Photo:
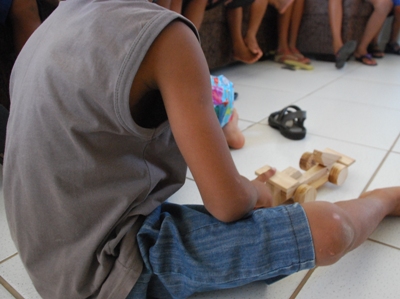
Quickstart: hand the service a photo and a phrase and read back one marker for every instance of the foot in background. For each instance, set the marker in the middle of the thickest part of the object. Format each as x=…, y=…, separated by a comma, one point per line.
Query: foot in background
x=252, y=45
x=300, y=56
x=244, y=54
x=282, y=55
x=366, y=59
x=287, y=54
x=233, y=135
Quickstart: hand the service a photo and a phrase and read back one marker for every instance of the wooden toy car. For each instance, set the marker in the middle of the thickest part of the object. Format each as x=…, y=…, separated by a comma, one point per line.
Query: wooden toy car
x=320, y=167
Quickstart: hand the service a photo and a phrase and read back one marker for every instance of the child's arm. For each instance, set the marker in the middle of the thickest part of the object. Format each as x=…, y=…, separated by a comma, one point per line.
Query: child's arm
x=176, y=65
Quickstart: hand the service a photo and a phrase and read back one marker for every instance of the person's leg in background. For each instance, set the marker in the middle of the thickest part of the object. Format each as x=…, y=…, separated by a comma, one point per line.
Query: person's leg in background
x=342, y=51
x=194, y=11
x=241, y=51
x=297, y=14
x=393, y=46
x=373, y=27
x=335, y=21
x=257, y=12
x=284, y=23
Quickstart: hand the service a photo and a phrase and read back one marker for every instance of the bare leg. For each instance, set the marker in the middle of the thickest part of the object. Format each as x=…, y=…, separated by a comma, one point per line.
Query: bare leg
x=374, y=41
x=257, y=12
x=335, y=21
x=194, y=11
x=25, y=20
x=374, y=24
x=283, y=51
x=297, y=14
x=394, y=34
x=240, y=50
x=343, y=226
x=283, y=29
x=232, y=133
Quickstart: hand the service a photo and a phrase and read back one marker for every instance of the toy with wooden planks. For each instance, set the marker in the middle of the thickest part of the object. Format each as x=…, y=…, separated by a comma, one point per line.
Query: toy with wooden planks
x=320, y=167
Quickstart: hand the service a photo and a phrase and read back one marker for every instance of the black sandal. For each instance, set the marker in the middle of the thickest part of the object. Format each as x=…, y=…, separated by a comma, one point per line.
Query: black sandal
x=290, y=122
x=392, y=48
x=375, y=51
x=344, y=53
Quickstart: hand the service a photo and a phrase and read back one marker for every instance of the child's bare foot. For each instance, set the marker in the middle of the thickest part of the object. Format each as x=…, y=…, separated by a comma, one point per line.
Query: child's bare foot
x=281, y=5
x=252, y=44
x=232, y=133
x=244, y=54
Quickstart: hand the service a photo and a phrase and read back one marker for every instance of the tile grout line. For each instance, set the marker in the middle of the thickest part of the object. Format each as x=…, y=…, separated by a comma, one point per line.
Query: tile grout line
x=8, y=258
x=384, y=244
x=381, y=164
x=321, y=87
x=302, y=283
x=326, y=98
x=351, y=142
x=10, y=289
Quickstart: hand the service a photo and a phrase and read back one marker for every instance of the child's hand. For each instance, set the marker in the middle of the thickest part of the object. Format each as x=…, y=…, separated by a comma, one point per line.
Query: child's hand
x=264, y=193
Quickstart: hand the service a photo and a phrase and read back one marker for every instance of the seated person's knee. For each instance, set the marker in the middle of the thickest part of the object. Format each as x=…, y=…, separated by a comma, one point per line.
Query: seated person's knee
x=336, y=239
x=383, y=6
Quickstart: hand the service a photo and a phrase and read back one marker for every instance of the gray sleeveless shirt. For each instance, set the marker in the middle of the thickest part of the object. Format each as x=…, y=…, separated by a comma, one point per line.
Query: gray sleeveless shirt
x=79, y=173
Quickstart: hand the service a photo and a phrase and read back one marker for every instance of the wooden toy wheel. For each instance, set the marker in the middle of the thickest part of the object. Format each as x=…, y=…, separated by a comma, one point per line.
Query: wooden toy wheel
x=305, y=193
x=307, y=161
x=338, y=174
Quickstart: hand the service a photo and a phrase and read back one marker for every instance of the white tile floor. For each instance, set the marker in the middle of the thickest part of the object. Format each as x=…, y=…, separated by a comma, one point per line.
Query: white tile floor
x=355, y=111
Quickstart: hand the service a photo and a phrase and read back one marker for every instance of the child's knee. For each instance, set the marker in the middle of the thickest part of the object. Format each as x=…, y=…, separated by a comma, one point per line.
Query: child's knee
x=341, y=236
x=333, y=233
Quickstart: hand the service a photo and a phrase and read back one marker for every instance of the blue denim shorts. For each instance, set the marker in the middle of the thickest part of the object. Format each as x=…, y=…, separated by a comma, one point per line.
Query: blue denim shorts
x=396, y=2
x=186, y=250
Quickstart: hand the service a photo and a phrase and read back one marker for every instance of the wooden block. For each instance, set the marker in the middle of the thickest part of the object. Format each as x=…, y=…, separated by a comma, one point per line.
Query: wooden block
x=326, y=159
x=283, y=182
x=313, y=174
x=280, y=180
x=345, y=160
x=263, y=169
x=318, y=183
x=278, y=195
x=292, y=172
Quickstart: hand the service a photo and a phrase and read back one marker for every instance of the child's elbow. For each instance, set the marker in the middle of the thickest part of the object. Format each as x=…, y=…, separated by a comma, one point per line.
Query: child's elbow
x=232, y=211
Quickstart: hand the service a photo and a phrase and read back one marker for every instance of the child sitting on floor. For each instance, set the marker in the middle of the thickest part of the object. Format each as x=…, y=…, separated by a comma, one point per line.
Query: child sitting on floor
x=96, y=145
